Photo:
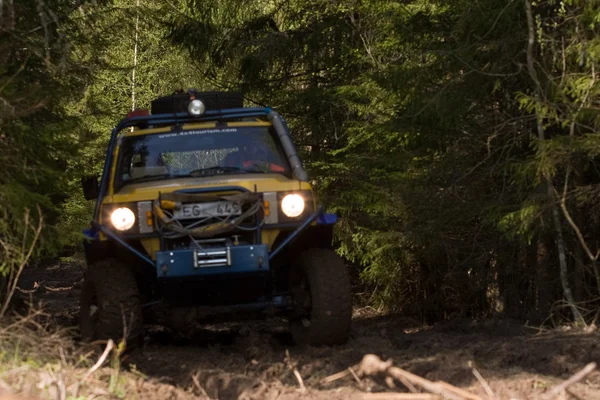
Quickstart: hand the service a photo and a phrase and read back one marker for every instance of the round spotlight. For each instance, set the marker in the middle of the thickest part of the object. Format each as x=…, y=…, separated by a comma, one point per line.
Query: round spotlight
x=196, y=107
x=122, y=218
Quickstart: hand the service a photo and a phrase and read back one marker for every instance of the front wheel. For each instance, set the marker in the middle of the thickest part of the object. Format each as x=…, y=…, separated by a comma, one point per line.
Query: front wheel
x=320, y=289
x=110, y=306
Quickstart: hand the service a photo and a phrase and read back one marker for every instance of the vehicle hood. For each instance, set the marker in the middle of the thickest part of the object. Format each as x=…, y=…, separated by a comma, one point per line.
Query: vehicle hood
x=150, y=190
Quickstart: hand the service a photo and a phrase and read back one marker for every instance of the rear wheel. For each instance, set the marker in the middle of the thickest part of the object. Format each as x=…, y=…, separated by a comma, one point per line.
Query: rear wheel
x=320, y=290
x=110, y=306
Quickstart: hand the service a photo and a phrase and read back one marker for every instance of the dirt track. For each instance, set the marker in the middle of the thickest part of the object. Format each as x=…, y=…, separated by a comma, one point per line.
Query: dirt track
x=225, y=360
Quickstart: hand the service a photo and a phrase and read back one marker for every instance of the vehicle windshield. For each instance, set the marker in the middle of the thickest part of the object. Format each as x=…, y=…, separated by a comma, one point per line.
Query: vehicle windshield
x=199, y=152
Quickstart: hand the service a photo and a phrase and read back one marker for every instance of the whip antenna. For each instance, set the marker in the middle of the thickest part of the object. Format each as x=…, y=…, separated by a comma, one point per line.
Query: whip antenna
x=137, y=21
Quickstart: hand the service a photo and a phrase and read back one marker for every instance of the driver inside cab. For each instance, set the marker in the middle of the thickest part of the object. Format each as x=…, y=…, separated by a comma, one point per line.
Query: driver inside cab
x=252, y=157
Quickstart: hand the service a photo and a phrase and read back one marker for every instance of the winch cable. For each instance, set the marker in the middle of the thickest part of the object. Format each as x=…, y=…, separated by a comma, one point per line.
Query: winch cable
x=178, y=223
x=175, y=235
x=193, y=224
x=196, y=229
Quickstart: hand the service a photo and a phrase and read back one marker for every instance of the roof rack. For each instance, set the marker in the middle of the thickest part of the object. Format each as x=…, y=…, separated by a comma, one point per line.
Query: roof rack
x=179, y=101
x=183, y=117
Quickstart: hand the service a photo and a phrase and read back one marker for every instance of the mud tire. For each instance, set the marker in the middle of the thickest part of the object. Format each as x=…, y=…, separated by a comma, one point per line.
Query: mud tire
x=324, y=276
x=111, y=287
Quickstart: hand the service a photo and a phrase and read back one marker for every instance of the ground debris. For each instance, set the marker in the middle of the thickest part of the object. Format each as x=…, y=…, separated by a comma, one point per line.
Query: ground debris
x=372, y=365
x=258, y=360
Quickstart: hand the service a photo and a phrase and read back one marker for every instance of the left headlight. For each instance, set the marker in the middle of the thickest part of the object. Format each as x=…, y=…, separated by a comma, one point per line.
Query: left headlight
x=292, y=205
x=122, y=218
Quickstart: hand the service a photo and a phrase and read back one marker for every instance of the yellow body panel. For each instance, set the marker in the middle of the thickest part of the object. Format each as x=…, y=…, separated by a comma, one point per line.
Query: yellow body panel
x=145, y=191
x=268, y=237
x=246, y=123
x=150, y=190
x=139, y=132
x=152, y=246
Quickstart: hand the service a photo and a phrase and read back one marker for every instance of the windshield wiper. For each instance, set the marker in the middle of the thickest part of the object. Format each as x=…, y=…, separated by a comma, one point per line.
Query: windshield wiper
x=255, y=170
x=216, y=168
x=150, y=177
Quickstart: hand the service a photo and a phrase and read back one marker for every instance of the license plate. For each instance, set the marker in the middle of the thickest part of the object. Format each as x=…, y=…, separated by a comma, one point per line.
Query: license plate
x=202, y=210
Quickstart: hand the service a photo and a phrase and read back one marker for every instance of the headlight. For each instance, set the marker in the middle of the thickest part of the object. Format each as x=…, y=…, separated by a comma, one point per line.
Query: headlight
x=292, y=205
x=122, y=218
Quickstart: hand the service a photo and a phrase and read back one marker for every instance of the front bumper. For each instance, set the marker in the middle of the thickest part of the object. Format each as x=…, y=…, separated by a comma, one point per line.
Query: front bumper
x=219, y=274
x=214, y=261
x=318, y=217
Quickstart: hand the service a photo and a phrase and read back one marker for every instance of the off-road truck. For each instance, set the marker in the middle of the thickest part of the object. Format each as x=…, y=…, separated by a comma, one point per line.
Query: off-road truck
x=205, y=210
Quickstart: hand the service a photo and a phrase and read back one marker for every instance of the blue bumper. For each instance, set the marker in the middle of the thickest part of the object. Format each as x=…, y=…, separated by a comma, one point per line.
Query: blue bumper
x=215, y=261
x=241, y=259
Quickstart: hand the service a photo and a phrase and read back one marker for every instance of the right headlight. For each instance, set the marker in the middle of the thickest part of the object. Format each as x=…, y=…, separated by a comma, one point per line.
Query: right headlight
x=292, y=205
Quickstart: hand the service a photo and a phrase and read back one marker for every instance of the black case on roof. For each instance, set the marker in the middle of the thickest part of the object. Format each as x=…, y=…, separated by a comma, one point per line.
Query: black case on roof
x=178, y=102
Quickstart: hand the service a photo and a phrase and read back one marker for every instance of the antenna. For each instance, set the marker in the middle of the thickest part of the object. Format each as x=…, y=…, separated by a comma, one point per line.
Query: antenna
x=137, y=21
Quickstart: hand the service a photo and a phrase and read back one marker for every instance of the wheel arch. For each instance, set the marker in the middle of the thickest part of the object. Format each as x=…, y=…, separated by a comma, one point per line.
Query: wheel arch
x=99, y=250
x=318, y=236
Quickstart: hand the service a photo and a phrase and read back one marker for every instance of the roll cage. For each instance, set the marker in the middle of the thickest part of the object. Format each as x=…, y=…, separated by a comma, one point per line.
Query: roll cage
x=224, y=115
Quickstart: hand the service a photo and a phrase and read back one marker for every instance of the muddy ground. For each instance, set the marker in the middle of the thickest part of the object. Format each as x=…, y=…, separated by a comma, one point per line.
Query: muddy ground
x=258, y=358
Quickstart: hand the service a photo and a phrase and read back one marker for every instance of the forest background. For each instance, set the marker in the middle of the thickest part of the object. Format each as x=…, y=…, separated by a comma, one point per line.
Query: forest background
x=456, y=140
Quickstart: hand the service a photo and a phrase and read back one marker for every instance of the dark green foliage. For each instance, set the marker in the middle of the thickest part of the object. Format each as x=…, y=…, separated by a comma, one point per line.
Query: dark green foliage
x=65, y=80
x=36, y=134
x=107, y=96
x=417, y=120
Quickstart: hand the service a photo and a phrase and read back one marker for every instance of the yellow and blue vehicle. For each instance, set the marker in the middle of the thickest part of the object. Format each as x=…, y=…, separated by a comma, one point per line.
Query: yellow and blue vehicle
x=205, y=211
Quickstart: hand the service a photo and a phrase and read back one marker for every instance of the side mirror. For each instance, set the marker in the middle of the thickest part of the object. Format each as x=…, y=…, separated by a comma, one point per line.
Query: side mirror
x=90, y=187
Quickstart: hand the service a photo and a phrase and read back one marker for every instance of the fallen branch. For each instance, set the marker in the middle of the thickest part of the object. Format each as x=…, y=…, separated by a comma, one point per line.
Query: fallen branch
x=555, y=391
x=198, y=385
x=77, y=385
x=292, y=367
x=339, y=375
x=299, y=379
x=109, y=346
x=460, y=392
x=372, y=365
x=356, y=378
x=482, y=381
x=410, y=386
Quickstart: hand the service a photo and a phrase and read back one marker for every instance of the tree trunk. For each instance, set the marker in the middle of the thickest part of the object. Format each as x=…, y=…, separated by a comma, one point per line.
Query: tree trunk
x=560, y=244
x=544, y=281
x=562, y=259
x=579, y=262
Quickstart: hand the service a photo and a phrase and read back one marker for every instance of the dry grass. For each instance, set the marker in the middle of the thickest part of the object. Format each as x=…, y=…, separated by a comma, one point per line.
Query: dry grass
x=14, y=256
x=40, y=361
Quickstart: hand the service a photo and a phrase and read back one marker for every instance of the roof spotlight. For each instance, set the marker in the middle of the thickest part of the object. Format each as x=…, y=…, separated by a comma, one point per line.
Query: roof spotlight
x=196, y=107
